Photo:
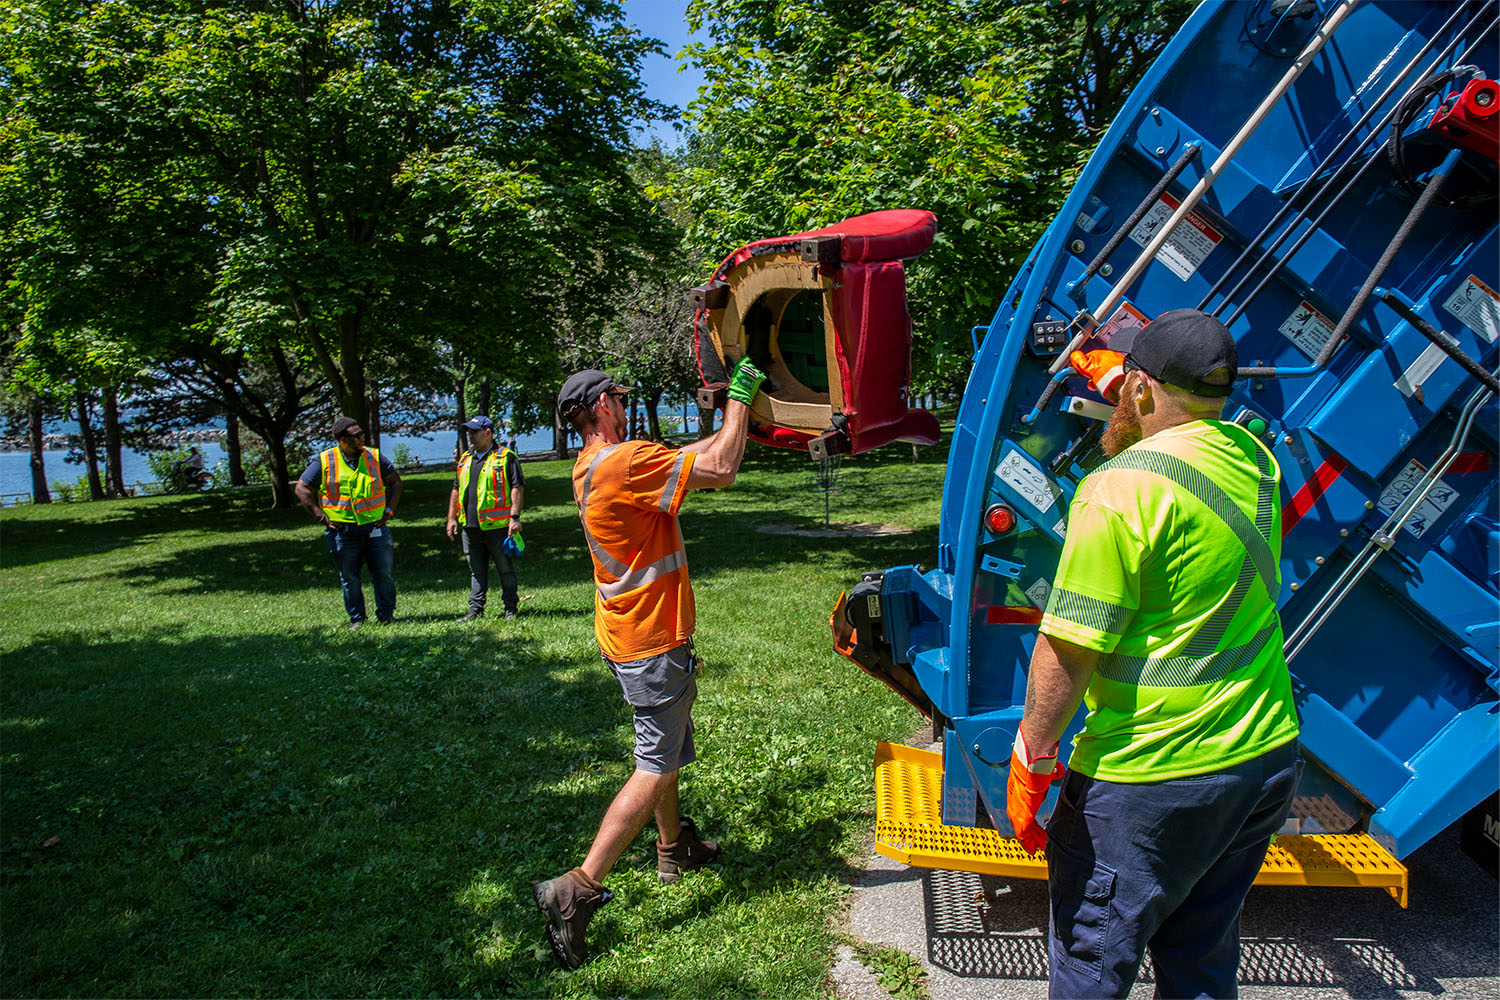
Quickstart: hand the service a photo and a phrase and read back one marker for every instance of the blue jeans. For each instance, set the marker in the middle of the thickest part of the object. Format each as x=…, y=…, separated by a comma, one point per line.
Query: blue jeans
x=1164, y=867
x=352, y=546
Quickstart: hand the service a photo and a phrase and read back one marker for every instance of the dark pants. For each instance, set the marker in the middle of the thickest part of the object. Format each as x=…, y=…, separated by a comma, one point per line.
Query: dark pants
x=1164, y=867
x=480, y=548
x=352, y=546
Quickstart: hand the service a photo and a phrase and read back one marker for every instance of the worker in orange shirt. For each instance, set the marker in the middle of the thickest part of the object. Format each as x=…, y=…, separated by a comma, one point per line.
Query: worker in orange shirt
x=628, y=495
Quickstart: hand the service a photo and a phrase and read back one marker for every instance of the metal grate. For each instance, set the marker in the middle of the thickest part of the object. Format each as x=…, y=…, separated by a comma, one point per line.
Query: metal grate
x=909, y=829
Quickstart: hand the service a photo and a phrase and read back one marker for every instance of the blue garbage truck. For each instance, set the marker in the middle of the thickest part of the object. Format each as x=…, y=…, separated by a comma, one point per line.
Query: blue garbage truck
x=1321, y=176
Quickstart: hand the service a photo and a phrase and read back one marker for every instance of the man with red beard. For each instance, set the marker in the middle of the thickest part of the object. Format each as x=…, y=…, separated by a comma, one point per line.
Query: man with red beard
x=1163, y=619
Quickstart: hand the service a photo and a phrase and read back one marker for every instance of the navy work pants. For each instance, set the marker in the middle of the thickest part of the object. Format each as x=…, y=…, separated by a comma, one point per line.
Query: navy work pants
x=1164, y=867
x=480, y=549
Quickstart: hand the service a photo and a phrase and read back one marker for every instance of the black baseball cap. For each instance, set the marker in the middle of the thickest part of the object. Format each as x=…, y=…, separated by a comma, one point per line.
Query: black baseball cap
x=582, y=388
x=480, y=423
x=1181, y=347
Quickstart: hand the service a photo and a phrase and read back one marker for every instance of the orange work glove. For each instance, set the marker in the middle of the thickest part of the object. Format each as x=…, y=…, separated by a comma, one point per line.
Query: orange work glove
x=1030, y=777
x=1105, y=371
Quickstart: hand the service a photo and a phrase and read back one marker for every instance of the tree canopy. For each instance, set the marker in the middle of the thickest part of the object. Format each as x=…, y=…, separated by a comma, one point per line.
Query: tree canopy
x=978, y=110
x=350, y=185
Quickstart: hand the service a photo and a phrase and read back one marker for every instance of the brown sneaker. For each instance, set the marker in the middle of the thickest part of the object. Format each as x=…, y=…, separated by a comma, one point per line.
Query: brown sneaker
x=687, y=853
x=568, y=902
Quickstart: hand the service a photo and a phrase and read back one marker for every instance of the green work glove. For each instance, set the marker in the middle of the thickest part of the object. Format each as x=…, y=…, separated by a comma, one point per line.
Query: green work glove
x=745, y=382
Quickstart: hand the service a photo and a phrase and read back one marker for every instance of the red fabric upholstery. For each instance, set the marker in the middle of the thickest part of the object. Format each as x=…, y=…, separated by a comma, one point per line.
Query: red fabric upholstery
x=873, y=334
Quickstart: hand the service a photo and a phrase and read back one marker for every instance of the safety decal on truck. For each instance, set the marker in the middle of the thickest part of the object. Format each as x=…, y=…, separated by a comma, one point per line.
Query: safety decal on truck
x=1188, y=246
x=1039, y=592
x=1438, y=499
x=1125, y=317
x=1033, y=485
x=1477, y=307
x=1308, y=329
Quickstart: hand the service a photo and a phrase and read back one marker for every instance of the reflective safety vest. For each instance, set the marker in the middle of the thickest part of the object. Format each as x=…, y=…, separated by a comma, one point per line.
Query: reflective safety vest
x=492, y=504
x=352, y=495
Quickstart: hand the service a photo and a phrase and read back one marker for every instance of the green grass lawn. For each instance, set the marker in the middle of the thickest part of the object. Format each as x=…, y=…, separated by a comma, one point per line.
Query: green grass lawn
x=209, y=786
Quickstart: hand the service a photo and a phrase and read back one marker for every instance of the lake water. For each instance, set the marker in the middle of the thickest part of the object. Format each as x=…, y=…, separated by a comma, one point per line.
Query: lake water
x=433, y=449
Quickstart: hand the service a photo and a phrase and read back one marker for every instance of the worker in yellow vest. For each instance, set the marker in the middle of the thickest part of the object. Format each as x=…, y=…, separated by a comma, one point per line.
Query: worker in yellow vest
x=352, y=491
x=484, y=510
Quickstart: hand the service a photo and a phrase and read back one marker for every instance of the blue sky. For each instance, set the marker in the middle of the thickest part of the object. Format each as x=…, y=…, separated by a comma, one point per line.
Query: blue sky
x=664, y=19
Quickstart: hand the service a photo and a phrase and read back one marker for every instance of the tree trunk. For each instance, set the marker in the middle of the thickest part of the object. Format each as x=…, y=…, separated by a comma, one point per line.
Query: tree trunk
x=634, y=414
x=39, y=491
x=281, y=476
x=232, y=447
x=463, y=437
x=653, y=423
x=372, y=421
x=90, y=447
x=560, y=436
x=113, y=464
x=353, y=392
x=486, y=396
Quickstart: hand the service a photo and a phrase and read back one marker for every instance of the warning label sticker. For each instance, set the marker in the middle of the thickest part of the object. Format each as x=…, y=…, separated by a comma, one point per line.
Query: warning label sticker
x=1039, y=592
x=1125, y=317
x=1438, y=499
x=1188, y=246
x=1308, y=329
x=1477, y=307
x=1028, y=480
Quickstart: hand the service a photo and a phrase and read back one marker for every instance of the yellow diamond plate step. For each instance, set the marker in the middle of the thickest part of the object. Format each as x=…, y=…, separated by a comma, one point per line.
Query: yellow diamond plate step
x=909, y=829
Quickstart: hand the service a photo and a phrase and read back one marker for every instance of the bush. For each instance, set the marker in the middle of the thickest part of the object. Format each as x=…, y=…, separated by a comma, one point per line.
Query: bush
x=67, y=492
x=401, y=455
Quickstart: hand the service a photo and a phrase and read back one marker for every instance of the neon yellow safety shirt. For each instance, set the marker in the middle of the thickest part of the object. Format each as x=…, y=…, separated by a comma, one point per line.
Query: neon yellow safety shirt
x=1171, y=569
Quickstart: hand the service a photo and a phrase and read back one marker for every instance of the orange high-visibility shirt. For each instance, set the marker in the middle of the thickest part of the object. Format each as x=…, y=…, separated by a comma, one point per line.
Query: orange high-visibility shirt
x=628, y=496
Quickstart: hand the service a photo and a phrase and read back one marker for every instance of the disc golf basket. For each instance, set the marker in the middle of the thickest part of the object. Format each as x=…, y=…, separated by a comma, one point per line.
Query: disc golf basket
x=826, y=480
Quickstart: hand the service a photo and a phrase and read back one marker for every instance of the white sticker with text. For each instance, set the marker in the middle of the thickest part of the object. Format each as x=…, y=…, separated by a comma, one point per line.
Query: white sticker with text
x=1308, y=329
x=1028, y=480
x=1188, y=246
x=1477, y=307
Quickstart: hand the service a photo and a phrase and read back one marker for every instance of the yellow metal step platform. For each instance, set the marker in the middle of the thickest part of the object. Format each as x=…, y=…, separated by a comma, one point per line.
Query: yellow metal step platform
x=909, y=829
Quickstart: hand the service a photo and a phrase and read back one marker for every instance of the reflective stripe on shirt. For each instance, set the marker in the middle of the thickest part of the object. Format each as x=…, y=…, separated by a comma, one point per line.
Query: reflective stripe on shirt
x=628, y=579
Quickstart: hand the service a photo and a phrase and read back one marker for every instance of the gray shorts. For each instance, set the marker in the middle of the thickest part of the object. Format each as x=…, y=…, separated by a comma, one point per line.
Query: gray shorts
x=661, y=689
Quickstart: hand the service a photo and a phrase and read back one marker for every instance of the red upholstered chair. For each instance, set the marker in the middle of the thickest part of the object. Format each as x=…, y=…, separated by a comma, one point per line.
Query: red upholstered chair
x=842, y=288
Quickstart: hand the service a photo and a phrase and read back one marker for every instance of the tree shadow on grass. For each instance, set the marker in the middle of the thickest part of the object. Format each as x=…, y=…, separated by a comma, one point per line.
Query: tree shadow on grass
x=252, y=800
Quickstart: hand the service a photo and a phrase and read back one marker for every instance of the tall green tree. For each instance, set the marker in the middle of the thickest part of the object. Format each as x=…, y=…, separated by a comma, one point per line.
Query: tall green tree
x=354, y=182
x=978, y=110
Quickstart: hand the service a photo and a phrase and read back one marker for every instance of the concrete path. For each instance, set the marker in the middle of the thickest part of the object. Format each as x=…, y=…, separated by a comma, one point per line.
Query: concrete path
x=983, y=937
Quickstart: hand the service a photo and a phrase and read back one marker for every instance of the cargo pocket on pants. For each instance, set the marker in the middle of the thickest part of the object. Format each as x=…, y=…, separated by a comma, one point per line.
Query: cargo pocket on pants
x=1083, y=892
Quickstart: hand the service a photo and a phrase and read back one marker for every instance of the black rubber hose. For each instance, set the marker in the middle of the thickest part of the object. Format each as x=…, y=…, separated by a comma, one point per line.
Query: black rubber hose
x=1444, y=342
x=1189, y=154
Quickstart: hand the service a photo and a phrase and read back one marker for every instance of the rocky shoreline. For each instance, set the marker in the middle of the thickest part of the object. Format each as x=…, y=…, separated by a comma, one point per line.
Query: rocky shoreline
x=59, y=442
